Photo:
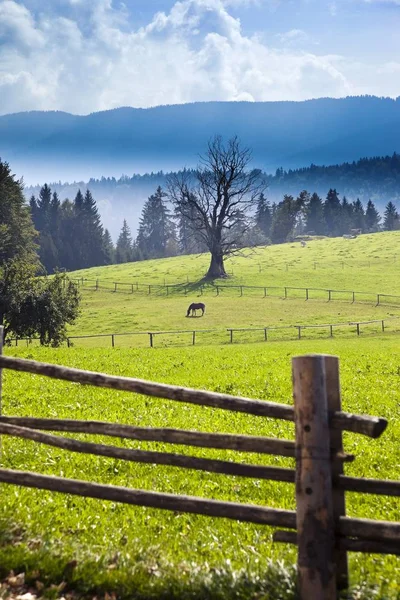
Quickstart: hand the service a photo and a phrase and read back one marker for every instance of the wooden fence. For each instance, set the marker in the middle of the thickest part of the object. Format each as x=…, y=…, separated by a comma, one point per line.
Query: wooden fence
x=284, y=292
x=319, y=526
x=192, y=336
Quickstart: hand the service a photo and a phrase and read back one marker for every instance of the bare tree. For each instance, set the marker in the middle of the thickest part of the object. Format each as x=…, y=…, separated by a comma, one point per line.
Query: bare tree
x=216, y=201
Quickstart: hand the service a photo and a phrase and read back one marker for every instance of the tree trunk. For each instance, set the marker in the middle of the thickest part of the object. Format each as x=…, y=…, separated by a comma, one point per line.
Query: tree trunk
x=216, y=269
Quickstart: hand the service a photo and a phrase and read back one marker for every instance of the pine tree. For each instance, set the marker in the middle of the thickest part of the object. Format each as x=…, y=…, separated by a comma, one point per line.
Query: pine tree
x=346, y=216
x=263, y=218
x=124, y=247
x=156, y=227
x=284, y=220
x=17, y=233
x=358, y=220
x=391, y=218
x=108, y=248
x=372, y=217
x=94, y=235
x=314, y=215
x=332, y=213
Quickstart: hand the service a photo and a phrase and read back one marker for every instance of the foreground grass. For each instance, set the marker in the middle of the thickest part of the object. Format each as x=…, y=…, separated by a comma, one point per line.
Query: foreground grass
x=144, y=553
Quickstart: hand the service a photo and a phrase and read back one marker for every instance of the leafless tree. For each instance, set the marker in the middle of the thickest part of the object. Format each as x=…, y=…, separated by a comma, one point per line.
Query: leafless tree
x=217, y=200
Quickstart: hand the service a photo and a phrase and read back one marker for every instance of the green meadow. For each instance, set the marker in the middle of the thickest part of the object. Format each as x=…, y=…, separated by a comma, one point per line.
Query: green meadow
x=97, y=547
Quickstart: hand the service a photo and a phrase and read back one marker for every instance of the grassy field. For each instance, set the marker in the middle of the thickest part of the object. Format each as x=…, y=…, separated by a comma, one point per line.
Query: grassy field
x=144, y=553
x=370, y=266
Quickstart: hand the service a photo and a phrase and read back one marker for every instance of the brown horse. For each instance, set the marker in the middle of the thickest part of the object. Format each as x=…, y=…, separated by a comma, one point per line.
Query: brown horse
x=196, y=306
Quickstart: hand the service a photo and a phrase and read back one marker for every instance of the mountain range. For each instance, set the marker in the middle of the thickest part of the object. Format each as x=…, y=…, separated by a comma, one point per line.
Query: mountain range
x=57, y=146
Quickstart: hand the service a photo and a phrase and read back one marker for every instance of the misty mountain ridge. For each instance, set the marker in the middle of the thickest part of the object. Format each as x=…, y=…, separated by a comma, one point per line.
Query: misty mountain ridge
x=53, y=146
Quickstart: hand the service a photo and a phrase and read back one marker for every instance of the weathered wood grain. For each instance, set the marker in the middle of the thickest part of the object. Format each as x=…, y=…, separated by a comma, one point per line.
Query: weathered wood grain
x=151, y=457
x=314, y=513
x=190, y=504
x=243, y=443
x=370, y=426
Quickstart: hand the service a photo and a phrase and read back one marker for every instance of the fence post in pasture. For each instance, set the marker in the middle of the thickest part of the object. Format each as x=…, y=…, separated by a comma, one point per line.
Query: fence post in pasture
x=82, y=281
x=151, y=339
x=137, y=286
x=16, y=341
x=167, y=290
x=194, y=338
x=299, y=328
x=149, y=289
x=112, y=340
x=241, y=290
x=68, y=343
x=231, y=332
x=383, y=325
x=378, y=299
x=354, y=297
x=285, y=293
x=306, y=293
x=265, y=292
x=115, y=286
x=329, y=295
x=132, y=288
x=266, y=334
x=358, y=328
x=331, y=328
x=315, y=516
x=336, y=442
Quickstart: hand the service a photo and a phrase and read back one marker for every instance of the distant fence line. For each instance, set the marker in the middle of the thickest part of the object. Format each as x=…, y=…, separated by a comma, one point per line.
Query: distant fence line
x=284, y=292
x=194, y=334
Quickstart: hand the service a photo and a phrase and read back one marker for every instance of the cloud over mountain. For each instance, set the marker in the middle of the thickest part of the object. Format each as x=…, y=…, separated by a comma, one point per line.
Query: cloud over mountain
x=85, y=57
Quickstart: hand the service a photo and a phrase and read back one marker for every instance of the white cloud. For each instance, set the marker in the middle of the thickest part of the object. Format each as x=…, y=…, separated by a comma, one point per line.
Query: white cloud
x=196, y=51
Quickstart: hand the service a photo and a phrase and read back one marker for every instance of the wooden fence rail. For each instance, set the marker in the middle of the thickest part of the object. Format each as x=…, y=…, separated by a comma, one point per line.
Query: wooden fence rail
x=285, y=292
x=319, y=527
x=195, y=334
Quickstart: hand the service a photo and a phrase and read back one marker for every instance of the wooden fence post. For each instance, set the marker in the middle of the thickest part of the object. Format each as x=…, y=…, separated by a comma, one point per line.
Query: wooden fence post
x=151, y=339
x=194, y=338
x=315, y=517
x=112, y=340
x=336, y=442
x=383, y=325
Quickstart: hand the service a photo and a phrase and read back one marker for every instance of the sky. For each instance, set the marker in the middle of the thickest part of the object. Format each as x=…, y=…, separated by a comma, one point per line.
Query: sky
x=83, y=56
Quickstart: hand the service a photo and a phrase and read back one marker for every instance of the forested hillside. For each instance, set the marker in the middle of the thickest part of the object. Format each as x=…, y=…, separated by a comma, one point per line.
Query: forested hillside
x=376, y=179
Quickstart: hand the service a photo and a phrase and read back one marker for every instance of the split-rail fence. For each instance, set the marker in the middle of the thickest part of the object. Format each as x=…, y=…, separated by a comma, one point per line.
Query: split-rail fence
x=319, y=525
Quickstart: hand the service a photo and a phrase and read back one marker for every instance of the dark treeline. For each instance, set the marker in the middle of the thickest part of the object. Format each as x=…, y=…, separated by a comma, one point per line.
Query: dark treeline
x=377, y=179
x=71, y=235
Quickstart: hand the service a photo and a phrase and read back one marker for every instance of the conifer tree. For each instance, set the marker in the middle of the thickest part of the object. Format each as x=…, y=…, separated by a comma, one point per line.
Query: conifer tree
x=372, y=217
x=263, y=218
x=284, y=220
x=332, y=213
x=358, y=220
x=391, y=218
x=346, y=216
x=124, y=247
x=314, y=215
x=156, y=227
x=108, y=248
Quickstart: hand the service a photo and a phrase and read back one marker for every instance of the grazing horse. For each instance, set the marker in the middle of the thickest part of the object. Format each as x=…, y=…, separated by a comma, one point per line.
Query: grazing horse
x=196, y=306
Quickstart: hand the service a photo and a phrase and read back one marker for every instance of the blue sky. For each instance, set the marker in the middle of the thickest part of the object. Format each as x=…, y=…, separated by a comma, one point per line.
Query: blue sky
x=83, y=56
